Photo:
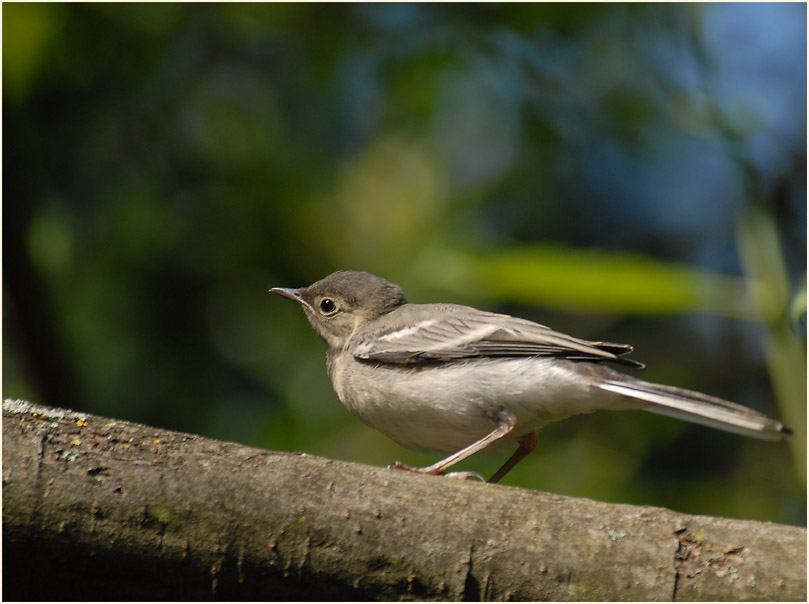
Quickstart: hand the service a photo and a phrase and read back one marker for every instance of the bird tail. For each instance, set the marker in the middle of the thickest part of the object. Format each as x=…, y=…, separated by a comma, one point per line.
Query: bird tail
x=699, y=408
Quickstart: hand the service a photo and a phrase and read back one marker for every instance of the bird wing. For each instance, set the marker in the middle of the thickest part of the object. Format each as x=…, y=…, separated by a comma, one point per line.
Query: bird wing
x=446, y=332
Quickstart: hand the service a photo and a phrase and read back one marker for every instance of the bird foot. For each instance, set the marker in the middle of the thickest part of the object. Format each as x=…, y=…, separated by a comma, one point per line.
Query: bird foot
x=464, y=475
x=398, y=465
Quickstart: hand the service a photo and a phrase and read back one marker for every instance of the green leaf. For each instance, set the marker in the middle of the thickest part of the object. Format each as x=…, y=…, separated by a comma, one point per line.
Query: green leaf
x=597, y=282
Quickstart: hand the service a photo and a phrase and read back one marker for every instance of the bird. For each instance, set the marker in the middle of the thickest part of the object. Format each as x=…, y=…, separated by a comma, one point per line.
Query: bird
x=454, y=379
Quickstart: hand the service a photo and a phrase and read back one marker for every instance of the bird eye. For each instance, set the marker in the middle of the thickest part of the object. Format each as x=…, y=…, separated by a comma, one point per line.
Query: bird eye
x=327, y=306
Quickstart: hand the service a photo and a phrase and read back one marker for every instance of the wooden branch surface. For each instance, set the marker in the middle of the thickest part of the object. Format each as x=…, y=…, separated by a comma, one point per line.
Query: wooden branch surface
x=102, y=509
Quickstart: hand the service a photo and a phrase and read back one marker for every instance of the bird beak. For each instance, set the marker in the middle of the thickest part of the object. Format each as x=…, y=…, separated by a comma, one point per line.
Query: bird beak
x=292, y=294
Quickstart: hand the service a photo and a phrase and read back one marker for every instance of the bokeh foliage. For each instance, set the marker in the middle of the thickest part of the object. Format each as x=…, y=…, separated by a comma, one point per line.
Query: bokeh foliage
x=633, y=173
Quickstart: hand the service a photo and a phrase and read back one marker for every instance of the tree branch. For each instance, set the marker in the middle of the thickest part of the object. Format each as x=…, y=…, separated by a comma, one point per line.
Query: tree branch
x=101, y=509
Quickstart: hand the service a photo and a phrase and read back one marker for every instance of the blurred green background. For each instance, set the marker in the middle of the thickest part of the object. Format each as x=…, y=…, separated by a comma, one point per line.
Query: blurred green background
x=630, y=173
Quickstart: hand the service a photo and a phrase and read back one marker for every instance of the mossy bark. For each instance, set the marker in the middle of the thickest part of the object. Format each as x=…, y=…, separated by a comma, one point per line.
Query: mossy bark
x=103, y=509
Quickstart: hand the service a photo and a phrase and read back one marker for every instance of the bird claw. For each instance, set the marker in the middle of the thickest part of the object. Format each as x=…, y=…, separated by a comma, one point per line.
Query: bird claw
x=464, y=475
x=398, y=465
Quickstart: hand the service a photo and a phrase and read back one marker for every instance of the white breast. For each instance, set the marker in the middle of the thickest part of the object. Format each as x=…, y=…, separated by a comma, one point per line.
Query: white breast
x=446, y=406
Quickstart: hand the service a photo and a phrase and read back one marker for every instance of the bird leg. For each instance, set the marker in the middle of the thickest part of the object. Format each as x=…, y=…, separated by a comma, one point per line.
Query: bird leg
x=506, y=422
x=527, y=444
